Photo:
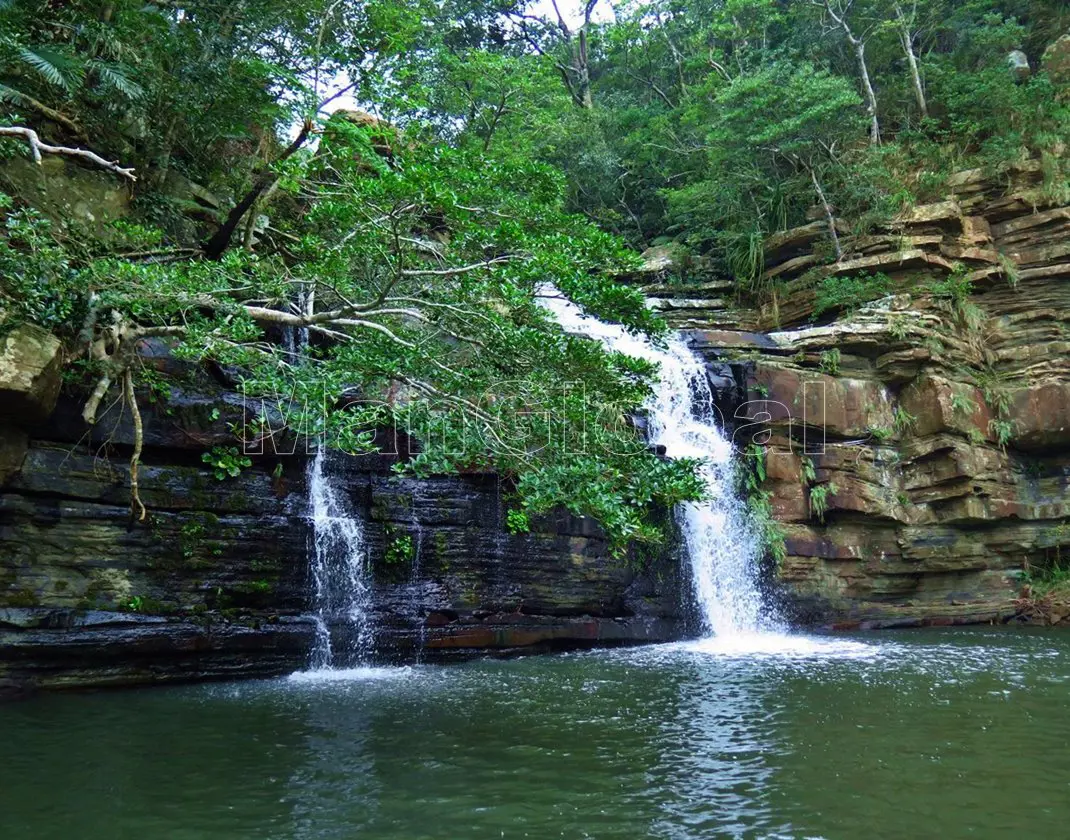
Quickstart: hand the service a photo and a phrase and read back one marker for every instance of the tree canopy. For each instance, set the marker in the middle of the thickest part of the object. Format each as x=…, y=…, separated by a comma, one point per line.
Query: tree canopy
x=499, y=151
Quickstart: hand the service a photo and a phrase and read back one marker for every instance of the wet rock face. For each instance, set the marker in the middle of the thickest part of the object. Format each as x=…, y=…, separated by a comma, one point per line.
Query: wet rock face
x=943, y=424
x=215, y=583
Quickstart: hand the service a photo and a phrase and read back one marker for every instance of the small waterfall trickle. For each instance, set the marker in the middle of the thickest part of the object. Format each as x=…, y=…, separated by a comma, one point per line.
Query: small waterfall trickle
x=722, y=548
x=415, y=590
x=340, y=574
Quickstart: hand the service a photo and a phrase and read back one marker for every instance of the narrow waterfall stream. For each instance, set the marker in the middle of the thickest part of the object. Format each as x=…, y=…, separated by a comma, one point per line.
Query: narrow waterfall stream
x=720, y=544
x=340, y=574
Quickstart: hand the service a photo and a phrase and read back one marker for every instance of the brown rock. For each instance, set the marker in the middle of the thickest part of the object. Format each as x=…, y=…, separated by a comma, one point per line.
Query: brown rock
x=843, y=408
x=944, y=213
x=930, y=523
x=932, y=401
x=1041, y=416
x=783, y=466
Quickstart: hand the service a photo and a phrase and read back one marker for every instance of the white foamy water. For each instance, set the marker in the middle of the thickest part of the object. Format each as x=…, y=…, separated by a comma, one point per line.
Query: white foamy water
x=341, y=675
x=340, y=575
x=722, y=547
x=780, y=645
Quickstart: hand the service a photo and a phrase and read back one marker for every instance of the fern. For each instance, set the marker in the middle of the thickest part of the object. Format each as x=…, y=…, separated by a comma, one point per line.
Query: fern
x=111, y=76
x=10, y=95
x=880, y=433
x=54, y=67
x=1009, y=268
x=1002, y=431
x=963, y=404
x=903, y=420
x=819, y=499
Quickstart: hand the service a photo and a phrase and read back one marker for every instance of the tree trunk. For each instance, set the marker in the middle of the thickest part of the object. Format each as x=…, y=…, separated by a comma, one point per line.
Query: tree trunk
x=828, y=213
x=163, y=156
x=912, y=61
x=583, y=74
x=220, y=240
x=859, y=46
x=867, y=86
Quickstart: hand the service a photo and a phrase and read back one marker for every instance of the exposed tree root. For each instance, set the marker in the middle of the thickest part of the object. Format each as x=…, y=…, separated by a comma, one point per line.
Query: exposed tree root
x=136, y=507
x=92, y=405
x=114, y=348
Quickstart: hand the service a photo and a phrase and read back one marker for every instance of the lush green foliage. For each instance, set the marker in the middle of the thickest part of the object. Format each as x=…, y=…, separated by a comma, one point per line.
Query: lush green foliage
x=226, y=461
x=708, y=120
x=417, y=276
x=768, y=141
x=842, y=294
x=722, y=120
x=829, y=362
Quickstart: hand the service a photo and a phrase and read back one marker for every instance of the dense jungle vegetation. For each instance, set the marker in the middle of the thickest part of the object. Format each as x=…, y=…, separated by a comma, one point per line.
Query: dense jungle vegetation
x=498, y=147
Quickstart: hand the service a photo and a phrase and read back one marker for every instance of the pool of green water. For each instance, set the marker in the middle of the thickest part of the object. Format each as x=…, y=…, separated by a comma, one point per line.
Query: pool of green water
x=956, y=733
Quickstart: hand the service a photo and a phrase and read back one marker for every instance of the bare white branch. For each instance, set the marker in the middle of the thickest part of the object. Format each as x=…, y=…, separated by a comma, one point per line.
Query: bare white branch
x=39, y=147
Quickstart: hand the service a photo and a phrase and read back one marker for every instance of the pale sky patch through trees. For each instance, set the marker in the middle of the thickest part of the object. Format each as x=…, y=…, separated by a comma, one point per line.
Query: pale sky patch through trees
x=572, y=10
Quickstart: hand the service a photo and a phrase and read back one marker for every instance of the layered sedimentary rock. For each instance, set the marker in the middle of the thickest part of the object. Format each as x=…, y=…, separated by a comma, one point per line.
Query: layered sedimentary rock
x=215, y=582
x=933, y=425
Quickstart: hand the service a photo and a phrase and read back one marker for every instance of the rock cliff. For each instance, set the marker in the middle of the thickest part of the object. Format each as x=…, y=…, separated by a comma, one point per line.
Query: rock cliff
x=916, y=439
x=215, y=583
x=917, y=430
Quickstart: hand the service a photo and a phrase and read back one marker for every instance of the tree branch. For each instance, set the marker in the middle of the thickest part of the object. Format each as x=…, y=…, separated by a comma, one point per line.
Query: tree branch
x=449, y=272
x=37, y=147
x=220, y=240
x=49, y=113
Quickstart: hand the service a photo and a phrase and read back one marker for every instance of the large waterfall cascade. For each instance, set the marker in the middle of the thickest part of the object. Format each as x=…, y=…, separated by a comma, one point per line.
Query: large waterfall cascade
x=722, y=548
x=340, y=574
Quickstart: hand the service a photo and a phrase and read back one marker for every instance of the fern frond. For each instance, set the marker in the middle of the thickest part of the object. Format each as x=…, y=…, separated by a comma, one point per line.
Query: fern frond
x=9, y=94
x=55, y=68
x=112, y=76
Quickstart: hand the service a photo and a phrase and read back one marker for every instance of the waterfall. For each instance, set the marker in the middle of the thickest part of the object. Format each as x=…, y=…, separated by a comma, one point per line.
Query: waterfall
x=722, y=548
x=340, y=574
